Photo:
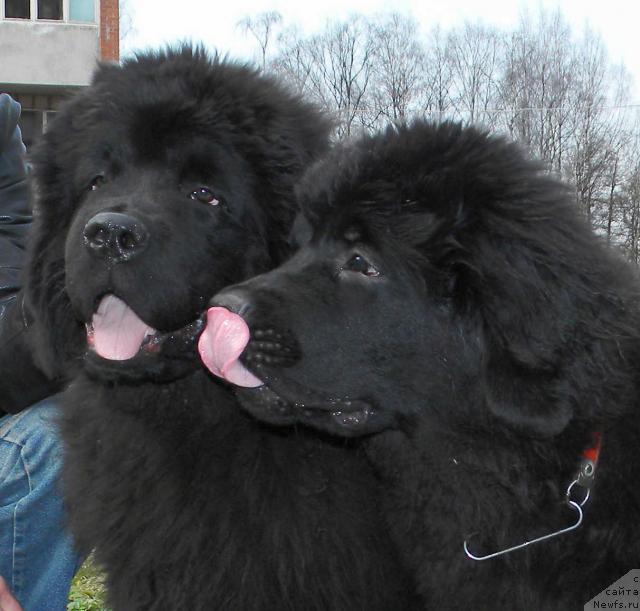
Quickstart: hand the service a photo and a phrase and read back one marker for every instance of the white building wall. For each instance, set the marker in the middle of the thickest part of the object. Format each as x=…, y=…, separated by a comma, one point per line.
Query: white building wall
x=47, y=53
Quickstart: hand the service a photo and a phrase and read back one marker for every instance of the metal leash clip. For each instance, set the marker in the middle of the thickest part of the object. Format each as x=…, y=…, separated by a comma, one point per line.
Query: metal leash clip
x=584, y=479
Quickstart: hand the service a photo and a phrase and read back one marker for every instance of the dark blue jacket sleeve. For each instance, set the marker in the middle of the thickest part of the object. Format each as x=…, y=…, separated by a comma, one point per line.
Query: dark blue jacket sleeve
x=21, y=382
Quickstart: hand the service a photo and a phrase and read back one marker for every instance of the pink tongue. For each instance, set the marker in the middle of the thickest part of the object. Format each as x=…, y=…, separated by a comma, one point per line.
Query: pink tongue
x=118, y=333
x=220, y=345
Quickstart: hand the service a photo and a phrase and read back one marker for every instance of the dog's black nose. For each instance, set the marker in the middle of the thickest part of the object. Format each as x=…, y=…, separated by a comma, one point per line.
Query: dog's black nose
x=235, y=299
x=114, y=236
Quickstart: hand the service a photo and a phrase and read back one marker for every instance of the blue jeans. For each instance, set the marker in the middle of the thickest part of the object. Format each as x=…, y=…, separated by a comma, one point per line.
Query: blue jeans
x=37, y=557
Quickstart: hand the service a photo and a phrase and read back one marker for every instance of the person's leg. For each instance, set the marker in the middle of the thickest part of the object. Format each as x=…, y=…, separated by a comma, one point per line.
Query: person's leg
x=37, y=557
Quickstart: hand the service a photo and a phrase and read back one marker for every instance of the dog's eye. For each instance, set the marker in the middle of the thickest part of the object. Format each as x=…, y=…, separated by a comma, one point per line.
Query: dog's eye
x=97, y=182
x=359, y=264
x=205, y=195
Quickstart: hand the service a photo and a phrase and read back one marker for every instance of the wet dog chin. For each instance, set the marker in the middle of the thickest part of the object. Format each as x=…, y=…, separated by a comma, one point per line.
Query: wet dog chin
x=344, y=417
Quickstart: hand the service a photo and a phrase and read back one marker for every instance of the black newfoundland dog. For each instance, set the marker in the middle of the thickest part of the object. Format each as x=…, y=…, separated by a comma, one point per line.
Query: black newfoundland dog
x=168, y=179
x=450, y=310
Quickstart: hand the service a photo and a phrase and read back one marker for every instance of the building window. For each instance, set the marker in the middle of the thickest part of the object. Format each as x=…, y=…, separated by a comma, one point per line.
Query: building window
x=50, y=9
x=18, y=9
x=82, y=10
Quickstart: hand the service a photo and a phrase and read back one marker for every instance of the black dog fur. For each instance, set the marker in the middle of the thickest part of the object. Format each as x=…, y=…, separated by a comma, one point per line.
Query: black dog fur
x=188, y=502
x=452, y=311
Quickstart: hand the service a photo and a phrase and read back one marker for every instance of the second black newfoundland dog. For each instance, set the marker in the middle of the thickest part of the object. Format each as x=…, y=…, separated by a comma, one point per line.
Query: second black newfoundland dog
x=451, y=311
x=166, y=180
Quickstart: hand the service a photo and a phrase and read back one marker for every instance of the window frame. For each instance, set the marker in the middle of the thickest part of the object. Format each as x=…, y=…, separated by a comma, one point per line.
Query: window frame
x=37, y=17
x=3, y=11
x=66, y=9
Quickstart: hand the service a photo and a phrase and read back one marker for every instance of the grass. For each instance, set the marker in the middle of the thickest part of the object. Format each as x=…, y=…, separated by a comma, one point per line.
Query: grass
x=87, y=590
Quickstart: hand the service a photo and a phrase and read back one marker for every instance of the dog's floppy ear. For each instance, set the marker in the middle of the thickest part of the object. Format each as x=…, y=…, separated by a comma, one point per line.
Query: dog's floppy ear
x=528, y=322
x=553, y=307
x=556, y=325
x=527, y=399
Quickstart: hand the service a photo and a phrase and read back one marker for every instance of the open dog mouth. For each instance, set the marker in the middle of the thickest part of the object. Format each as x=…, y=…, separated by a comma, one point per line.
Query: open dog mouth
x=267, y=396
x=116, y=333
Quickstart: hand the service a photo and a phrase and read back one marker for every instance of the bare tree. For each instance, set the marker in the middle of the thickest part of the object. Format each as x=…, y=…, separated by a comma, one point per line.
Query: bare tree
x=398, y=66
x=126, y=29
x=596, y=131
x=630, y=210
x=436, y=95
x=475, y=51
x=536, y=85
x=343, y=60
x=261, y=27
x=556, y=93
x=621, y=142
x=335, y=69
x=294, y=62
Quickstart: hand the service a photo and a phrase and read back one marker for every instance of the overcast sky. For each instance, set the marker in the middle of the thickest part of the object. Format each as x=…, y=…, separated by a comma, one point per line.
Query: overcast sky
x=213, y=22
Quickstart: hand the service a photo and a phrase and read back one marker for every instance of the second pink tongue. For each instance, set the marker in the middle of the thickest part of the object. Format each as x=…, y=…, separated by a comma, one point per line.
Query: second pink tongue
x=221, y=344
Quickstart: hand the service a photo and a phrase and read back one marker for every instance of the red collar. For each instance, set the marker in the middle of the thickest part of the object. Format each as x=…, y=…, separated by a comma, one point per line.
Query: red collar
x=589, y=461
